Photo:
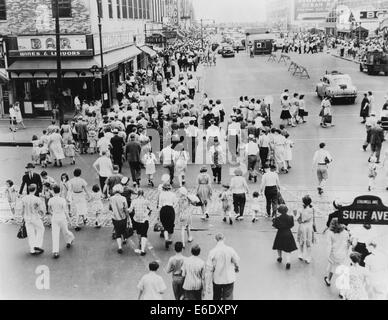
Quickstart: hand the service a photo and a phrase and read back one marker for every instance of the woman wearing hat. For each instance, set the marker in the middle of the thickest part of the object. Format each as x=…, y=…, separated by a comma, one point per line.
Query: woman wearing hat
x=76, y=194
x=55, y=147
x=284, y=240
x=204, y=190
x=166, y=202
x=239, y=189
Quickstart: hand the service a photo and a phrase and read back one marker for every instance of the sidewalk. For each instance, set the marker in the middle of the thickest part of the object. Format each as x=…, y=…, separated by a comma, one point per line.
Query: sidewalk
x=21, y=136
x=335, y=54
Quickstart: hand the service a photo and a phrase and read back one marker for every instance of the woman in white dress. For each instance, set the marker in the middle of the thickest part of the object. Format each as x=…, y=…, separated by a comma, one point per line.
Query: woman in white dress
x=18, y=115
x=306, y=220
x=279, y=142
x=77, y=196
x=55, y=147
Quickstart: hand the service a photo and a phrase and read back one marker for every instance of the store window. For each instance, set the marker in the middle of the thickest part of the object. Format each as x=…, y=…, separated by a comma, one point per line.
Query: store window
x=110, y=9
x=124, y=9
x=135, y=9
x=99, y=8
x=130, y=9
x=64, y=7
x=118, y=9
x=3, y=10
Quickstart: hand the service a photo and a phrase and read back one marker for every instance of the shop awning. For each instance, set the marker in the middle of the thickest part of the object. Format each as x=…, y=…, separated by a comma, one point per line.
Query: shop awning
x=148, y=51
x=3, y=76
x=113, y=58
x=38, y=66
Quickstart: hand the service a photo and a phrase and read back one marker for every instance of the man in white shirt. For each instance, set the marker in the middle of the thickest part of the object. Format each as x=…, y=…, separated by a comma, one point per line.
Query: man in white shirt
x=252, y=151
x=151, y=285
x=223, y=264
x=211, y=133
x=191, y=85
x=58, y=207
x=270, y=187
x=192, y=137
x=32, y=210
x=321, y=161
x=166, y=159
x=104, y=167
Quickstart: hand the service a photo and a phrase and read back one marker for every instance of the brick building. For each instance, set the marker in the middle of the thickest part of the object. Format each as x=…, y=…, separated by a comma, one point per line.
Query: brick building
x=29, y=27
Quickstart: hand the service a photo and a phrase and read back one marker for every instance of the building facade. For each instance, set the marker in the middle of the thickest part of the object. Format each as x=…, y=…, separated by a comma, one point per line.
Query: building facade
x=29, y=27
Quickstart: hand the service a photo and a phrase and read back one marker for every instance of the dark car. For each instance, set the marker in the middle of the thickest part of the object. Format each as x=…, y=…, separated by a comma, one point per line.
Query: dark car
x=227, y=52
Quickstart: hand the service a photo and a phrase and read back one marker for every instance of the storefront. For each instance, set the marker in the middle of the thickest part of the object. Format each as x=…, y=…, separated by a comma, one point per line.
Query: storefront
x=33, y=72
x=145, y=57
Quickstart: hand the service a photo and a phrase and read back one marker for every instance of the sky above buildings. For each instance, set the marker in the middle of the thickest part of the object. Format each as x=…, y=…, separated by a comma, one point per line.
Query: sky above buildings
x=230, y=10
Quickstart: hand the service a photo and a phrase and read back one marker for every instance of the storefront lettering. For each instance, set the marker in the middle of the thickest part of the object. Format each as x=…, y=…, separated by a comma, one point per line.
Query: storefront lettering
x=50, y=53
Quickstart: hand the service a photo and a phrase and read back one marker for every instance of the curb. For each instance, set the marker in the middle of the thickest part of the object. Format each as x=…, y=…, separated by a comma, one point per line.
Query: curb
x=343, y=58
x=15, y=144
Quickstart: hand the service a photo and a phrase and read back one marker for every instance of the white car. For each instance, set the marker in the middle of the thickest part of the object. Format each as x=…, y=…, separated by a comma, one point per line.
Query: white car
x=336, y=85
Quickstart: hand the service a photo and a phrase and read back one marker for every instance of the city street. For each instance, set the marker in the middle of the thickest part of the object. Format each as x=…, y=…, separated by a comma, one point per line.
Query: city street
x=92, y=268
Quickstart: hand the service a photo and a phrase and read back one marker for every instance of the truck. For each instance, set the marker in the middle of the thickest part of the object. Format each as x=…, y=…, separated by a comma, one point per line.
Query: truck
x=374, y=62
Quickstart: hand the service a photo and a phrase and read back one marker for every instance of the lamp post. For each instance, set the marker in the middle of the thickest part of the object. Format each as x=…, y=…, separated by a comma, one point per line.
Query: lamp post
x=59, y=95
x=101, y=54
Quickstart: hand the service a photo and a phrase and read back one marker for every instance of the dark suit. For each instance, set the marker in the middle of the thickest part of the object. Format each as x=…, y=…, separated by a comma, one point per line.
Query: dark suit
x=27, y=180
x=118, y=144
x=132, y=153
x=376, y=140
x=82, y=133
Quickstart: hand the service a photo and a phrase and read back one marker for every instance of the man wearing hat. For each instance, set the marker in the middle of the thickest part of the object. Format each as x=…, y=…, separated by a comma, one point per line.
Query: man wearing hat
x=132, y=154
x=217, y=160
x=117, y=150
x=30, y=178
x=82, y=134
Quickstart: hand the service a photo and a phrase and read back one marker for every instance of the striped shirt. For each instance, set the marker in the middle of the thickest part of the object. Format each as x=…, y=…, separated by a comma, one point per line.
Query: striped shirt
x=193, y=270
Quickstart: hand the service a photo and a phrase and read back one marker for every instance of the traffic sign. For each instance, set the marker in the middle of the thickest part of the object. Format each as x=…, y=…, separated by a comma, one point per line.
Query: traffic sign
x=364, y=210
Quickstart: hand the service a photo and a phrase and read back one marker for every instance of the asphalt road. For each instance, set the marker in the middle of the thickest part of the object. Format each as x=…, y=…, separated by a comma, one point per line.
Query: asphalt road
x=92, y=269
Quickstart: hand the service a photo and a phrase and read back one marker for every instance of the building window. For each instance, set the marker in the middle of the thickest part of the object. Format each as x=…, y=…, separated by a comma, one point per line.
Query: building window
x=147, y=10
x=64, y=7
x=110, y=9
x=135, y=8
x=118, y=9
x=99, y=8
x=124, y=9
x=130, y=9
x=140, y=9
x=3, y=10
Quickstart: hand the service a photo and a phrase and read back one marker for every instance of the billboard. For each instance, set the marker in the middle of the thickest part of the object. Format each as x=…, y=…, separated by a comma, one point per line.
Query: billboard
x=312, y=9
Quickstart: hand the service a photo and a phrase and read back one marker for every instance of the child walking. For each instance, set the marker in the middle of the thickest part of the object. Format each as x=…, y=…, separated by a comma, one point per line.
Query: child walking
x=255, y=207
x=11, y=194
x=185, y=215
x=227, y=203
x=372, y=172
x=35, y=150
x=43, y=154
x=96, y=205
x=149, y=162
x=70, y=151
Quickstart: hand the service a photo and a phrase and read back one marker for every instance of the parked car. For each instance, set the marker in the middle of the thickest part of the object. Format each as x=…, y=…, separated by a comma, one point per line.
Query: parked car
x=227, y=52
x=337, y=85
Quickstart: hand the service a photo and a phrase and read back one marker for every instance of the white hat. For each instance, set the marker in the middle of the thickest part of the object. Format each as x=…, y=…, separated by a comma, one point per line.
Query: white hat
x=183, y=191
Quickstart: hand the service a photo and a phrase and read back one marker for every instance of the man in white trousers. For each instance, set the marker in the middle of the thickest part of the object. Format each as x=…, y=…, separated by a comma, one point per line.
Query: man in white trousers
x=32, y=210
x=321, y=161
x=58, y=207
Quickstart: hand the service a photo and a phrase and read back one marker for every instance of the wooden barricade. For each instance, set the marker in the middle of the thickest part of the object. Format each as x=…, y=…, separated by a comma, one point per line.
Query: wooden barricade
x=284, y=58
x=272, y=57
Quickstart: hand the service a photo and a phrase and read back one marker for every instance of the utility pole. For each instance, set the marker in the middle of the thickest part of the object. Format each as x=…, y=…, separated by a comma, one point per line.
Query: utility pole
x=202, y=33
x=59, y=99
x=101, y=55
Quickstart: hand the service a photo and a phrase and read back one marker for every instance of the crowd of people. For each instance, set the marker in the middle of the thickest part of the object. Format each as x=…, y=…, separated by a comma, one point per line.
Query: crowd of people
x=173, y=121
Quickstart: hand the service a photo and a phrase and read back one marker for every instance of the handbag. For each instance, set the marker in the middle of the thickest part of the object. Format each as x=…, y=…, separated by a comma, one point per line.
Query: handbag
x=314, y=225
x=22, y=233
x=158, y=227
x=327, y=118
x=305, y=113
x=280, y=199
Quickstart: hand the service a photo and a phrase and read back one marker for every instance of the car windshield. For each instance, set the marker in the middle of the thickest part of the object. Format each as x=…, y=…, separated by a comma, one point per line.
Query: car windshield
x=342, y=80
